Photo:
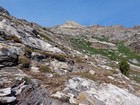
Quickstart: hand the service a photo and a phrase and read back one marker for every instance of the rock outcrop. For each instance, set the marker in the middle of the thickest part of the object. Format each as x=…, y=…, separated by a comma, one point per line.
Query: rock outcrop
x=9, y=53
x=3, y=11
x=87, y=92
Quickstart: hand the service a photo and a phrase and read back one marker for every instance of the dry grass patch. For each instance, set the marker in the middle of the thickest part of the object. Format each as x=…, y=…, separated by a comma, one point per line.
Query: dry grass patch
x=114, y=71
x=52, y=84
x=12, y=38
x=87, y=75
x=45, y=68
x=24, y=61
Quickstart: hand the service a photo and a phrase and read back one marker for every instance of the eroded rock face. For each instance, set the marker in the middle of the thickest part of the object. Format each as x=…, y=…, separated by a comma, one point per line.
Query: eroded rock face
x=40, y=44
x=11, y=85
x=9, y=53
x=40, y=96
x=25, y=34
x=88, y=92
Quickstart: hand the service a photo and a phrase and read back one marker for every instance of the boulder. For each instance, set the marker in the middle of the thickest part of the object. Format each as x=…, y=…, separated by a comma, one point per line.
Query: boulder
x=9, y=54
x=59, y=65
x=37, y=56
x=40, y=44
x=6, y=100
x=60, y=95
x=65, y=97
x=60, y=68
x=34, y=69
x=92, y=72
x=5, y=92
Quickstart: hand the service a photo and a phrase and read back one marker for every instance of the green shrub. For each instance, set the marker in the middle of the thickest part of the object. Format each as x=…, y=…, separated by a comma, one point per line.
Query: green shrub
x=1, y=33
x=24, y=61
x=124, y=67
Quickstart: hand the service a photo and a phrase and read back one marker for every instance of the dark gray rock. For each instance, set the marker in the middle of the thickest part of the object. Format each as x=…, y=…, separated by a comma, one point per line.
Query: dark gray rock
x=9, y=55
x=39, y=96
x=2, y=10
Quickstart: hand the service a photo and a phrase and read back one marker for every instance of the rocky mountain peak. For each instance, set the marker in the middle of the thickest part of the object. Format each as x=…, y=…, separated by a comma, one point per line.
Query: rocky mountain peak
x=4, y=11
x=71, y=24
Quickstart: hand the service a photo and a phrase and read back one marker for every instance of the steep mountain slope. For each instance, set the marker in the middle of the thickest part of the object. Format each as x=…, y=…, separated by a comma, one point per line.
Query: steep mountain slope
x=69, y=64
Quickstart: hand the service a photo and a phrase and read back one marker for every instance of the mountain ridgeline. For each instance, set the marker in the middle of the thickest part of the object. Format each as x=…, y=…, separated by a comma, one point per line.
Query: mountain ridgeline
x=68, y=64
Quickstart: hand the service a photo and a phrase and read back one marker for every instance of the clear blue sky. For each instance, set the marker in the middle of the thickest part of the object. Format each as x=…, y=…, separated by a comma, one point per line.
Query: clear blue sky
x=85, y=12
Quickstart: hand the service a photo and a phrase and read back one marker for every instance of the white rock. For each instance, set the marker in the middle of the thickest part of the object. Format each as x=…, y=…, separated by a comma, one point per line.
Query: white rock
x=60, y=95
x=40, y=44
x=5, y=92
x=49, y=75
x=107, y=93
x=106, y=67
x=59, y=65
x=72, y=100
x=81, y=104
x=92, y=72
x=19, y=88
x=134, y=61
x=7, y=99
x=34, y=69
x=110, y=77
x=8, y=28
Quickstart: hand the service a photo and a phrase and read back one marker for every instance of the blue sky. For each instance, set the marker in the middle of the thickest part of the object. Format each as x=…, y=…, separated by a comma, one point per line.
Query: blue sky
x=85, y=12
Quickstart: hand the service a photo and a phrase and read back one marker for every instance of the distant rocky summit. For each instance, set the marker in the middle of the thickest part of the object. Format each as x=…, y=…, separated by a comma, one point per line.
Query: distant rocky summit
x=71, y=24
x=68, y=64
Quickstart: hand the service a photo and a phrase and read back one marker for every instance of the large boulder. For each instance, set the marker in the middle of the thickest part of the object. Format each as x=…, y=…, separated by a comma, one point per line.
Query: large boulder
x=9, y=54
x=6, y=100
x=40, y=44
x=5, y=92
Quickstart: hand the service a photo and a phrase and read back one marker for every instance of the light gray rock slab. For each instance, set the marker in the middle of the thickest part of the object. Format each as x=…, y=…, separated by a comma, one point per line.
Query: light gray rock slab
x=5, y=92
x=6, y=100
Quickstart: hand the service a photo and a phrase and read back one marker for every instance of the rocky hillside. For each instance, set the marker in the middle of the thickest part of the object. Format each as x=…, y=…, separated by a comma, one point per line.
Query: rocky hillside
x=69, y=64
